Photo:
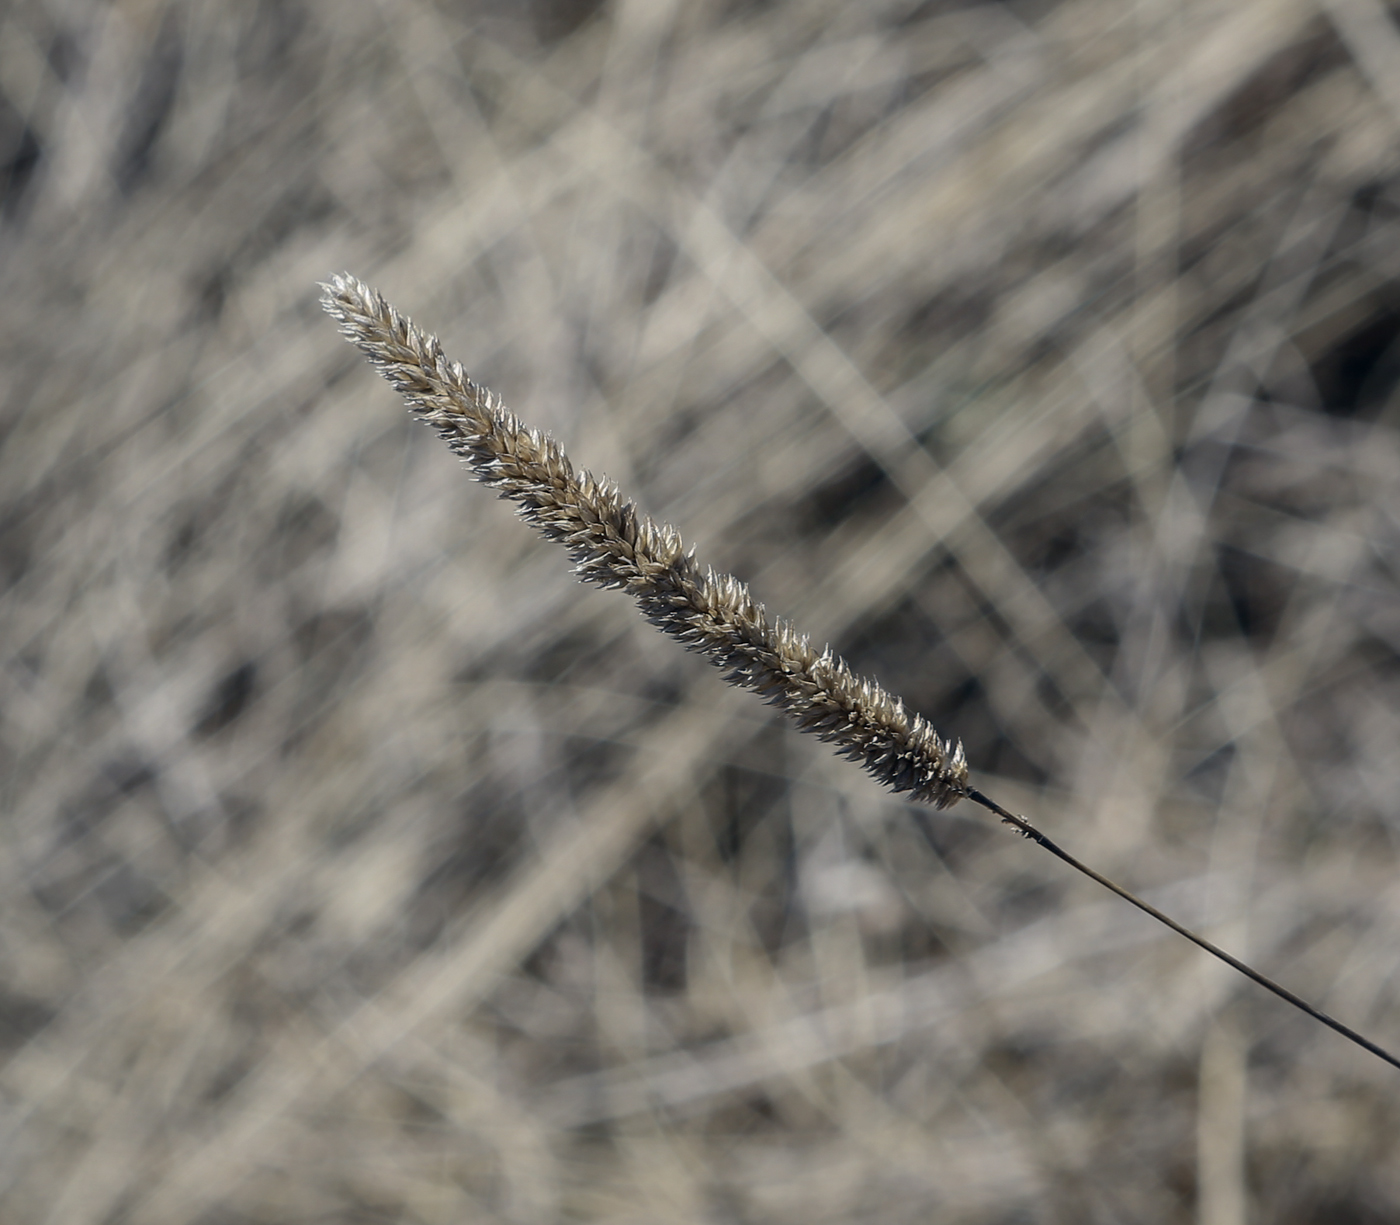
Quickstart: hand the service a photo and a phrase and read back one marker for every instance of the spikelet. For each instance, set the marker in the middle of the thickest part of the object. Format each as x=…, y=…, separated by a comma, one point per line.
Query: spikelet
x=613, y=544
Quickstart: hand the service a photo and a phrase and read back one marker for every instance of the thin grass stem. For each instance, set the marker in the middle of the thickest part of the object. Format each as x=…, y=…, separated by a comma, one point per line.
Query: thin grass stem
x=1029, y=831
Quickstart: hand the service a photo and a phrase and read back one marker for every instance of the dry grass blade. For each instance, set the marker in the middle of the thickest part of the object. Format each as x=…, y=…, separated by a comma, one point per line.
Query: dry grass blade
x=613, y=544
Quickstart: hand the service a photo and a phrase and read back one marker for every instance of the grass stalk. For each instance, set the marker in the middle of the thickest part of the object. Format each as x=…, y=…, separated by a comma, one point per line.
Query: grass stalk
x=613, y=544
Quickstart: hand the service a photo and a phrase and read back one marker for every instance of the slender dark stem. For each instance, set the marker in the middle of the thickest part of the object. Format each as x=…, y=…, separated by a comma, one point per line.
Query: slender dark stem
x=1029, y=831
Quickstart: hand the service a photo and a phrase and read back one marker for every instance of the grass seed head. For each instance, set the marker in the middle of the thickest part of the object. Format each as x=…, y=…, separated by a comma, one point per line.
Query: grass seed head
x=613, y=544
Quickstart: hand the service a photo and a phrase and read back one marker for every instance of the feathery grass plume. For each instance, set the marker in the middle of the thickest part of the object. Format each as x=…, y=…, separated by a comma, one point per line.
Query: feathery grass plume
x=615, y=545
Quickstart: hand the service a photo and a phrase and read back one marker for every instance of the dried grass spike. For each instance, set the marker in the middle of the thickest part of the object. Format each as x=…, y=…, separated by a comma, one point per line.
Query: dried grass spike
x=613, y=544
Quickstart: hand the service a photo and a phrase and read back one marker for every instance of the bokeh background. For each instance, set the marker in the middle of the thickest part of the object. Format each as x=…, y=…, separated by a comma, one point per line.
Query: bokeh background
x=360, y=866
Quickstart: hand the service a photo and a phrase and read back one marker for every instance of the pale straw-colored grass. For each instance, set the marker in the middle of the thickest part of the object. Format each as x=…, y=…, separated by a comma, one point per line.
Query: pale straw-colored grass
x=360, y=864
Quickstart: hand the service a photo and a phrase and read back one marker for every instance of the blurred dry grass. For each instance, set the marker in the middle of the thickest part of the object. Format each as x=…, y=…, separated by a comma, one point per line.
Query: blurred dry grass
x=360, y=866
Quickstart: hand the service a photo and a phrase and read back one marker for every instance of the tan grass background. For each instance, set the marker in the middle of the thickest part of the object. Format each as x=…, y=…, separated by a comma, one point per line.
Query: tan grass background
x=360, y=866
